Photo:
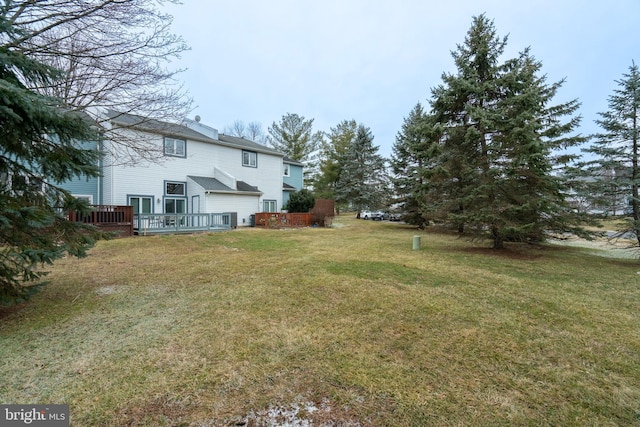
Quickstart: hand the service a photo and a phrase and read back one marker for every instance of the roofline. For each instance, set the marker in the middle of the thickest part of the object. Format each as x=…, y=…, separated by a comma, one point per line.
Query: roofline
x=245, y=193
x=198, y=137
x=255, y=149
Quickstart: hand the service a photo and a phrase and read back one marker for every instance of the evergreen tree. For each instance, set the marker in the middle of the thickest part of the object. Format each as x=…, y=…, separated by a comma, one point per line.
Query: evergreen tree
x=363, y=182
x=462, y=104
x=332, y=158
x=294, y=137
x=496, y=156
x=39, y=148
x=301, y=201
x=531, y=197
x=617, y=150
x=410, y=165
x=115, y=55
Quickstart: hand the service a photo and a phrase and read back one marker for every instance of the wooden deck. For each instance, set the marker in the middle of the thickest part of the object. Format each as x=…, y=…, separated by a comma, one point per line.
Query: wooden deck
x=116, y=219
x=148, y=224
x=122, y=221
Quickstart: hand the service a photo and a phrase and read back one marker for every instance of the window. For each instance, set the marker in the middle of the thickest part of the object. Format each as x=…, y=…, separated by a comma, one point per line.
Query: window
x=175, y=206
x=86, y=197
x=249, y=159
x=175, y=147
x=286, y=170
x=29, y=187
x=269, y=206
x=172, y=188
x=141, y=204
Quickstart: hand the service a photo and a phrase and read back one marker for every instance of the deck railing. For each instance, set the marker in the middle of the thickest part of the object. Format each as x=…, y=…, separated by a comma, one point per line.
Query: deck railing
x=180, y=223
x=116, y=219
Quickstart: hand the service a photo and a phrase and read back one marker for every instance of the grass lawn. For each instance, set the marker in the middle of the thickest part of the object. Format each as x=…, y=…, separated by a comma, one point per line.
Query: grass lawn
x=343, y=326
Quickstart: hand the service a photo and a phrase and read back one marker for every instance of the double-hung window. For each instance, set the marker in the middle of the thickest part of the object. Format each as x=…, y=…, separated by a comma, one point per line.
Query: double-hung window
x=175, y=147
x=249, y=159
x=286, y=171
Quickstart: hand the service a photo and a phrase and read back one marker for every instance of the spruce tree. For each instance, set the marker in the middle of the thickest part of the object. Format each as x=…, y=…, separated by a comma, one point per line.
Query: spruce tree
x=294, y=137
x=410, y=164
x=39, y=148
x=531, y=194
x=500, y=135
x=363, y=182
x=301, y=201
x=617, y=151
x=332, y=158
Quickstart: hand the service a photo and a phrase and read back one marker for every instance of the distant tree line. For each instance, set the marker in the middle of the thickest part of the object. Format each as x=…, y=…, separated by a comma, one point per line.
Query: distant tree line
x=490, y=157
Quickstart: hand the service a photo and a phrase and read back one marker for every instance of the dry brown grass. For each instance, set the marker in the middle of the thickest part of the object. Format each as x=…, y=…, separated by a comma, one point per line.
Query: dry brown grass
x=341, y=326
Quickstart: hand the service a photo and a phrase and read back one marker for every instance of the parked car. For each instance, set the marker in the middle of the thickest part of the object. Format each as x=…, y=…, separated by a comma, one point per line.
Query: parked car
x=395, y=216
x=373, y=215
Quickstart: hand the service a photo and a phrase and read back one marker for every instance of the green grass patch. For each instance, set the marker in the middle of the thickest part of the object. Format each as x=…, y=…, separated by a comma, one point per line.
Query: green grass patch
x=214, y=329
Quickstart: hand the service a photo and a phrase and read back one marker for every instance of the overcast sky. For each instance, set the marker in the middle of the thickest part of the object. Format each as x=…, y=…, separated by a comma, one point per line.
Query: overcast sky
x=373, y=60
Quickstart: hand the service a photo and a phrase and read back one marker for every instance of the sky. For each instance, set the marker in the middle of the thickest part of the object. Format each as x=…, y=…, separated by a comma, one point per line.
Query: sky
x=374, y=60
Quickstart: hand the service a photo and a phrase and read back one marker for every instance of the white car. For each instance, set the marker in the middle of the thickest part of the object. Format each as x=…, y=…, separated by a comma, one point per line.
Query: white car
x=374, y=215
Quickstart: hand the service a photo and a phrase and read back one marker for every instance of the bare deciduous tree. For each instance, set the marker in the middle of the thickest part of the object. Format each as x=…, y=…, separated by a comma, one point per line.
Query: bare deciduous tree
x=115, y=56
x=256, y=133
x=252, y=131
x=237, y=128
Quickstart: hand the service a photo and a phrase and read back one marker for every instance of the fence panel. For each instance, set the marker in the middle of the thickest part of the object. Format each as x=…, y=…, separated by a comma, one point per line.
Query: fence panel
x=110, y=218
x=282, y=220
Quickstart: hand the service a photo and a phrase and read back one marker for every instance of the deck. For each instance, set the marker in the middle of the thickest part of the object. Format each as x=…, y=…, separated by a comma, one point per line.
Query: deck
x=110, y=218
x=148, y=224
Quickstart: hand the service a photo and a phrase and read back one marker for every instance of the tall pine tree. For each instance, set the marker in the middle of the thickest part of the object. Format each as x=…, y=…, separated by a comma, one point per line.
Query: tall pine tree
x=617, y=151
x=332, y=158
x=294, y=137
x=363, y=182
x=411, y=165
x=39, y=148
x=500, y=135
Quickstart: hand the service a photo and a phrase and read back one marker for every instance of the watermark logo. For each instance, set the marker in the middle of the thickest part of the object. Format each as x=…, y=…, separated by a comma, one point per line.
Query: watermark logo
x=34, y=415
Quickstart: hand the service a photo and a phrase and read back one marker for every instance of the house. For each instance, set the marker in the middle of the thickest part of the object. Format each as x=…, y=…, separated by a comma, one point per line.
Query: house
x=293, y=178
x=200, y=171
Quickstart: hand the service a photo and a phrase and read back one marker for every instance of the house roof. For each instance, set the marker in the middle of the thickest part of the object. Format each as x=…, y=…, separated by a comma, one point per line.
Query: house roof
x=156, y=126
x=290, y=161
x=178, y=130
x=287, y=187
x=248, y=144
x=212, y=185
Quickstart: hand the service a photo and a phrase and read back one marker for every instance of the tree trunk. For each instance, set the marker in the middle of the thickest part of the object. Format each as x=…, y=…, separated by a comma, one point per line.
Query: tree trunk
x=498, y=241
x=634, y=177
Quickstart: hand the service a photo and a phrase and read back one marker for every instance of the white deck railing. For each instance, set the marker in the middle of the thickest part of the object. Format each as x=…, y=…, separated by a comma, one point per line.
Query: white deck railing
x=180, y=223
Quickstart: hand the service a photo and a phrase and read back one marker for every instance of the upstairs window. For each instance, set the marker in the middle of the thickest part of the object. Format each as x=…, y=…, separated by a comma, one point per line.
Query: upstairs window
x=175, y=147
x=286, y=170
x=249, y=159
x=172, y=188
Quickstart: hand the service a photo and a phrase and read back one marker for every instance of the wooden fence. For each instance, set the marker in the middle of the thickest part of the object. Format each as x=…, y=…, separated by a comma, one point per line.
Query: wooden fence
x=283, y=220
x=117, y=219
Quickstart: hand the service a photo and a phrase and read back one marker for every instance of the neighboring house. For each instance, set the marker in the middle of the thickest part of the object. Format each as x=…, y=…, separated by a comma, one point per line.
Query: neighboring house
x=293, y=177
x=85, y=188
x=202, y=171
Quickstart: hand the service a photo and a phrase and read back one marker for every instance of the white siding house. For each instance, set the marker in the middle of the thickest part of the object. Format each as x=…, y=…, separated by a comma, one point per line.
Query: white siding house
x=201, y=171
